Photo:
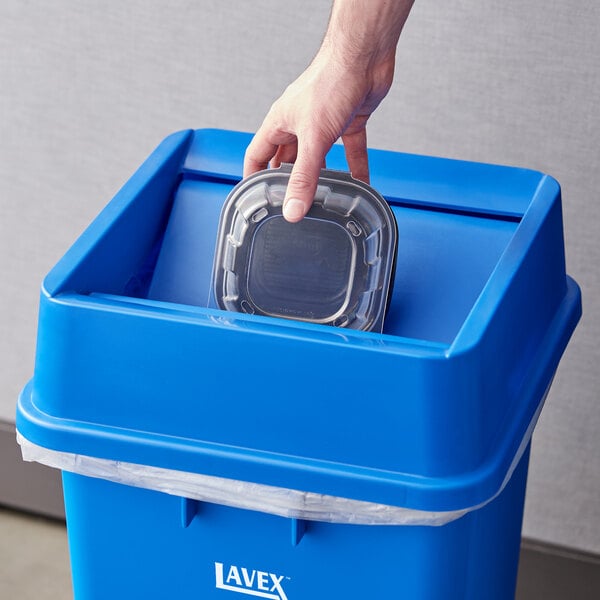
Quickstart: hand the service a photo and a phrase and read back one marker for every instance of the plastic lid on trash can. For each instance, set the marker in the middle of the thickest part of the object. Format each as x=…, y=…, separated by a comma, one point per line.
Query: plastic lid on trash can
x=334, y=267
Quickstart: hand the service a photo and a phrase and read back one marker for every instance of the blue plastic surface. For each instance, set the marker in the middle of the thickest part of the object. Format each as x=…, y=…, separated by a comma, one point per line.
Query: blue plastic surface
x=127, y=542
x=429, y=415
x=438, y=274
x=133, y=365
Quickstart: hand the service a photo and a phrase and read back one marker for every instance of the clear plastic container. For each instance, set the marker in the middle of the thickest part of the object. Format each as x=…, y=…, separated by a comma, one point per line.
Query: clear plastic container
x=334, y=267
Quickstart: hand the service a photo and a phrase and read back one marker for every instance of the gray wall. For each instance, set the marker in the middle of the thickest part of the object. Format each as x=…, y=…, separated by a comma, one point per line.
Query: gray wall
x=87, y=89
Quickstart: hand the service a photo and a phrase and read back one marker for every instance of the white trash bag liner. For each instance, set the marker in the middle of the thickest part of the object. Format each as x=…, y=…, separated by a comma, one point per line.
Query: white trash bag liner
x=238, y=494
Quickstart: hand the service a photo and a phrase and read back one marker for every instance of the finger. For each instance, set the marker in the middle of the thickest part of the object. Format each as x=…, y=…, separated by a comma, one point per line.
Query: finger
x=286, y=153
x=303, y=181
x=263, y=147
x=355, y=147
x=258, y=154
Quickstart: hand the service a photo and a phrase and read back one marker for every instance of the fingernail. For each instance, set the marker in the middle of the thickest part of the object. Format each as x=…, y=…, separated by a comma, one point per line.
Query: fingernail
x=293, y=210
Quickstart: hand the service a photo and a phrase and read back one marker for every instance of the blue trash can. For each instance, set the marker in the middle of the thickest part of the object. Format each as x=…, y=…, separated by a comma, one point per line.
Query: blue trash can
x=395, y=466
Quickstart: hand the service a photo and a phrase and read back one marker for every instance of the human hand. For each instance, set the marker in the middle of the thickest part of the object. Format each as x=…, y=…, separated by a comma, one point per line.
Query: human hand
x=333, y=98
x=326, y=102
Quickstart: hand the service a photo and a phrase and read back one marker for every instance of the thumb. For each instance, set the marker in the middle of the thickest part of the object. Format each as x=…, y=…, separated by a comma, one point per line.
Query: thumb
x=303, y=181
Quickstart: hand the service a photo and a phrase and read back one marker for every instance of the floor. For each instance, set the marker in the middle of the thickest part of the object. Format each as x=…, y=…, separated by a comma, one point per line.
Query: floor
x=34, y=559
x=34, y=565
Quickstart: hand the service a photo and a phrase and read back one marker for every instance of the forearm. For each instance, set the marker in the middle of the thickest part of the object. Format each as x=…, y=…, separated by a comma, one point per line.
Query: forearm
x=365, y=32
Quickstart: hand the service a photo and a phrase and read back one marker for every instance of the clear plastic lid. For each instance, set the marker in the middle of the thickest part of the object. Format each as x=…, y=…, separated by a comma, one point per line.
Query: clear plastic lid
x=334, y=267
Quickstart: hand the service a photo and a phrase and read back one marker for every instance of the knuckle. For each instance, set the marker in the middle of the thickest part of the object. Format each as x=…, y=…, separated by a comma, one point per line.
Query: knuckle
x=300, y=180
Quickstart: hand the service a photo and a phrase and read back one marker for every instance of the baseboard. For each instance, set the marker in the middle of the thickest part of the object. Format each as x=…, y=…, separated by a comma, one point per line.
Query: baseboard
x=27, y=486
x=546, y=572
